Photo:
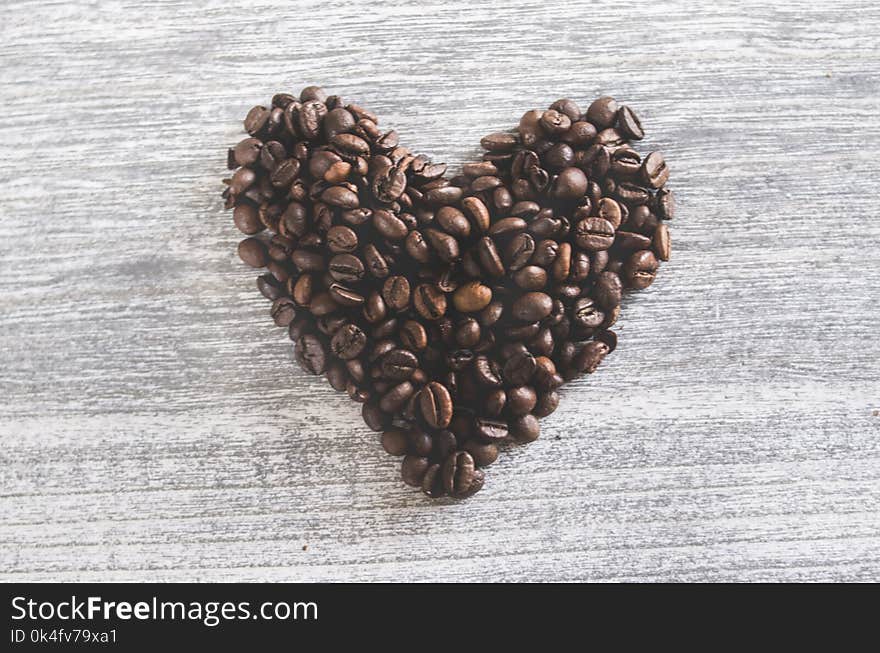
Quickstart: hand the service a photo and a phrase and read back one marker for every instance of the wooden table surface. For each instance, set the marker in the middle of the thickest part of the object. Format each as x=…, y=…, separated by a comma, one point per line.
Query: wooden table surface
x=153, y=426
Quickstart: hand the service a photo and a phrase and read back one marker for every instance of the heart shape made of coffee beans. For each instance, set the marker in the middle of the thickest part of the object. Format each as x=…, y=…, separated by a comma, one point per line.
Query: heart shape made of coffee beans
x=452, y=308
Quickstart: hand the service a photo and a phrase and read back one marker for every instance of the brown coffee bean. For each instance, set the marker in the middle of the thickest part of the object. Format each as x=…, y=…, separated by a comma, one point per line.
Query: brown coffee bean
x=436, y=405
x=640, y=269
x=396, y=292
x=532, y=306
x=253, y=252
x=662, y=244
x=594, y=234
x=429, y=301
x=472, y=297
x=458, y=473
x=394, y=442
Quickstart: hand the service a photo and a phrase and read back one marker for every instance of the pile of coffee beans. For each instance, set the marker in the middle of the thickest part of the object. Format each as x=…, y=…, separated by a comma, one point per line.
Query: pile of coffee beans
x=451, y=308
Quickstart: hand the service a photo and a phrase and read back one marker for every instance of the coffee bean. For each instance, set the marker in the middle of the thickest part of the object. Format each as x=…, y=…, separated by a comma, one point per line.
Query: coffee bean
x=483, y=454
x=458, y=473
x=399, y=364
x=519, y=368
x=396, y=293
x=413, y=336
x=490, y=430
x=662, y=243
x=310, y=354
x=346, y=268
x=571, y=184
x=586, y=313
x=393, y=400
x=525, y=428
x=472, y=297
x=487, y=371
x=348, y=342
x=499, y=142
x=283, y=311
x=253, y=252
x=594, y=234
x=247, y=219
x=654, y=170
x=602, y=112
x=413, y=470
x=531, y=277
x=555, y=122
x=394, y=442
x=436, y=405
x=256, y=120
x=532, y=306
x=429, y=301
x=629, y=124
x=590, y=356
x=546, y=404
x=521, y=400
x=665, y=204
x=640, y=269
x=608, y=290
x=432, y=482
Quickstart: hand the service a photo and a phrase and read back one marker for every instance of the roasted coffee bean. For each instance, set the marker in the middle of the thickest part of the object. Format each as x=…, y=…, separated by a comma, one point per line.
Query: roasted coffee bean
x=253, y=252
x=629, y=124
x=458, y=473
x=525, y=428
x=283, y=311
x=346, y=268
x=490, y=430
x=432, y=481
x=531, y=277
x=571, y=184
x=472, y=297
x=519, y=368
x=594, y=234
x=487, y=371
x=630, y=240
x=436, y=405
x=586, y=313
x=310, y=354
x=399, y=364
x=348, y=342
x=413, y=335
x=394, y=442
x=546, y=404
x=640, y=269
x=555, y=122
x=654, y=170
x=483, y=454
x=532, y=306
x=413, y=470
x=444, y=245
x=521, y=400
x=376, y=263
x=608, y=290
x=247, y=219
x=429, y=301
x=489, y=257
x=393, y=400
x=661, y=242
x=590, y=356
x=664, y=204
x=396, y=292
x=345, y=296
x=602, y=112
x=499, y=142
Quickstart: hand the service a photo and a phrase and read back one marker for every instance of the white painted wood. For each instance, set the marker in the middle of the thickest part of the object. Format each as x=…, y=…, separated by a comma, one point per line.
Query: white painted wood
x=152, y=426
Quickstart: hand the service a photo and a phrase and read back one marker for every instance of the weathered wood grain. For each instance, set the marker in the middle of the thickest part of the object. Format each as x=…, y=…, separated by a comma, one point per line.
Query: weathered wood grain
x=152, y=426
